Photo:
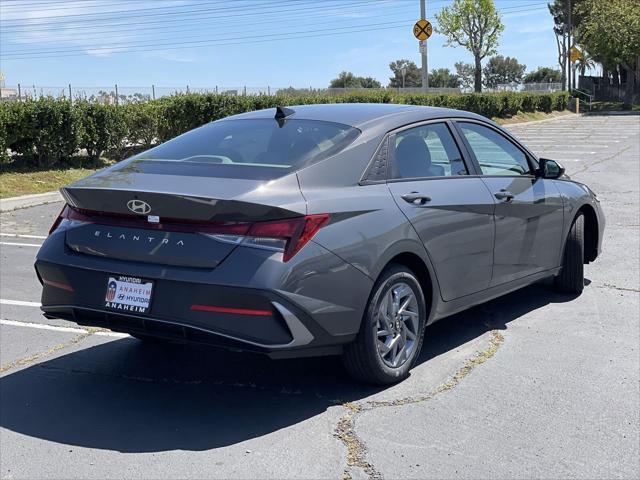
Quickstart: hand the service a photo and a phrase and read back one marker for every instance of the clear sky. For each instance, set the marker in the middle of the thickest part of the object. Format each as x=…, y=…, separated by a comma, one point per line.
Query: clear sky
x=232, y=43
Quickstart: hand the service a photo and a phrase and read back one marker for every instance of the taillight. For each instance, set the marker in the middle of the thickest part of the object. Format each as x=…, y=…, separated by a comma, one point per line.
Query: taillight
x=61, y=216
x=288, y=236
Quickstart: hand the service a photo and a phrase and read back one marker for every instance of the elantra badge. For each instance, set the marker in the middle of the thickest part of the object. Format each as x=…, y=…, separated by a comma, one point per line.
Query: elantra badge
x=139, y=206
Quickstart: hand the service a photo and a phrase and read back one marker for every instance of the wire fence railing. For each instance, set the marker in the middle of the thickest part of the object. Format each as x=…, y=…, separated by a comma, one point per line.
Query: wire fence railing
x=117, y=94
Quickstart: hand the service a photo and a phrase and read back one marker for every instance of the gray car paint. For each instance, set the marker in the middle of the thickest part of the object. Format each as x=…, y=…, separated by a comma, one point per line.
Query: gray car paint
x=332, y=276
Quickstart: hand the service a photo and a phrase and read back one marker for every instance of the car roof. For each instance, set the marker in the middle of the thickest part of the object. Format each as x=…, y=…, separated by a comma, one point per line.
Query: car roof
x=361, y=115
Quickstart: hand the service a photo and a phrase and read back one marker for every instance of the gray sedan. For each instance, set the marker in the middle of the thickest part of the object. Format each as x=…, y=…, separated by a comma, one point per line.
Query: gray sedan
x=316, y=230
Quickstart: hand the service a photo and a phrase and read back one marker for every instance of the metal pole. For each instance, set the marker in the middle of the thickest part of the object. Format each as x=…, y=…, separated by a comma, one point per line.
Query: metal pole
x=117, y=100
x=153, y=92
x=19, y=93
x=70, y=97
x=425, y=66
x=571, y=86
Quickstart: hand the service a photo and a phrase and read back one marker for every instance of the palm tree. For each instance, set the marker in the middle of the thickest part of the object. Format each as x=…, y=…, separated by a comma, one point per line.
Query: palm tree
x=584, y=62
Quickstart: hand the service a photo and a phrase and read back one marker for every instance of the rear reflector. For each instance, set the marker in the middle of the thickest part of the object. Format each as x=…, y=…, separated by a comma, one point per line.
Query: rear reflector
x=60, y=285
x=236, y=311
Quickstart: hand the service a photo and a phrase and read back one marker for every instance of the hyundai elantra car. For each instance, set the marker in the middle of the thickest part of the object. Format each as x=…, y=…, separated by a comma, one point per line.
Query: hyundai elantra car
x=316, y=230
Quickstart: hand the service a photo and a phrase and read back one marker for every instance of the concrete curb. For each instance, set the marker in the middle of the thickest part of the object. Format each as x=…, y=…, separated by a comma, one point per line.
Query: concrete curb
x=544, y=120
x=25, y=201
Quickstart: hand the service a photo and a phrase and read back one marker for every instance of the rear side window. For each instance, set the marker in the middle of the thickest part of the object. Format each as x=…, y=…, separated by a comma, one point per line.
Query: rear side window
x=426, y=151
x=495, y=154
x=251, y=148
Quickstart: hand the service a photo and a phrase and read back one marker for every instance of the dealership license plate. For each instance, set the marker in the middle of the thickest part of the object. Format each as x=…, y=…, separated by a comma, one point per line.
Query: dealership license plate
x=128, y=294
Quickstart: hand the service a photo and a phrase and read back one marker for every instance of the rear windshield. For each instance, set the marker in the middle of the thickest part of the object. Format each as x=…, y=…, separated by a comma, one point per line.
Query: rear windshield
x=252, y=149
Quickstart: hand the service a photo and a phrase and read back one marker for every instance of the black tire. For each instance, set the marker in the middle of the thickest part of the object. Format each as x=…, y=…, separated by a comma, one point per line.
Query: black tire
x=361, y=358
x=571, y=276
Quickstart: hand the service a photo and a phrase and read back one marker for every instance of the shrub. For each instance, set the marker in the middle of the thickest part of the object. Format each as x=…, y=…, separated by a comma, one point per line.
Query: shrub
x=49, y=131
x=104, y=127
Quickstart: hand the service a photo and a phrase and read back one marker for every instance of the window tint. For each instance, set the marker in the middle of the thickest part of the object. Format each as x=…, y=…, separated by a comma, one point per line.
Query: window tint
x=252, y=148
x=495, y=154
x=426, y=151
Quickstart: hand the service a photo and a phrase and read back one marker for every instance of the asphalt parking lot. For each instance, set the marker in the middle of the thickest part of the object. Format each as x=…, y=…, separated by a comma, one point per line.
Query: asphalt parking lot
x=532, y=385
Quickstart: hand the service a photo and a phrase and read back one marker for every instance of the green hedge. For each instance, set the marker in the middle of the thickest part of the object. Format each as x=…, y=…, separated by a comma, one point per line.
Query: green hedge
x=47, y=131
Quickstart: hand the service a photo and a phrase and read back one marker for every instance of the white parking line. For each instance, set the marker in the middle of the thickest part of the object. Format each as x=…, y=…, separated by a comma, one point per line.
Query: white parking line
x=20, y=235
x=55, y=328
x=15, y=244
x=19, y=303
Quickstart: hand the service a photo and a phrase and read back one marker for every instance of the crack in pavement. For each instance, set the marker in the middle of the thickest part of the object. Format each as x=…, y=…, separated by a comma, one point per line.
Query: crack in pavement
x=345, y=430
x=614, y=287
x=21, y=362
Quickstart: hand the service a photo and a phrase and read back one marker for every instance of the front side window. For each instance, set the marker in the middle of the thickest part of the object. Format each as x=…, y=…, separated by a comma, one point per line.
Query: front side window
x=247, y=149
x=495, y=154
x=426, y=151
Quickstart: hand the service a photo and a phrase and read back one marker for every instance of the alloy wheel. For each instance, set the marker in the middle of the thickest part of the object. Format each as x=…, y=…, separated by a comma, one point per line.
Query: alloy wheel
x=397, y=325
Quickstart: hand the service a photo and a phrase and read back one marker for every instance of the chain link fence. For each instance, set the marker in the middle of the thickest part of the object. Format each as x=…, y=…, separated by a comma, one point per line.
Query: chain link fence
x=117, y=94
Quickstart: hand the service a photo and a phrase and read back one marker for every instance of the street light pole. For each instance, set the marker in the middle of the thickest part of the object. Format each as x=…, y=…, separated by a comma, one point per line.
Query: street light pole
x=425, y=73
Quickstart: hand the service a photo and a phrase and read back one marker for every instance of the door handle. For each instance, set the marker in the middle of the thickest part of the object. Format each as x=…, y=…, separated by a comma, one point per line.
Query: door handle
x=504, y=195
x=415, y=198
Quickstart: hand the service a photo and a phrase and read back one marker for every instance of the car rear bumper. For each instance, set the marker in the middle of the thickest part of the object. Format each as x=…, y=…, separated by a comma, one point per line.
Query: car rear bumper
x=259, y=313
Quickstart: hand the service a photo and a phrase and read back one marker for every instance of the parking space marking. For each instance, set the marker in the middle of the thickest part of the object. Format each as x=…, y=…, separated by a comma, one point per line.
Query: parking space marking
x=55, y=328
x=19, y=303
x=16, y=244
x=20, y=235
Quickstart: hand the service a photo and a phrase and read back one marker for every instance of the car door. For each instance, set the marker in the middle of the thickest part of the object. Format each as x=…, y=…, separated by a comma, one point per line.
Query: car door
x=529, y=209
x=451, y=211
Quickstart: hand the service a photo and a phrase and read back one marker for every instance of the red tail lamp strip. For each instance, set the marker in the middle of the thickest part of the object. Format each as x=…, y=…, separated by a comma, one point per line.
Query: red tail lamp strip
x=60, y=285
x=236, y=311
x=296, y=231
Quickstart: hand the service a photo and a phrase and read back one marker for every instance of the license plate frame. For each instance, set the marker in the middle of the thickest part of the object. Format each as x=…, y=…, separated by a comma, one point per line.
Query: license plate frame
x=128, y=294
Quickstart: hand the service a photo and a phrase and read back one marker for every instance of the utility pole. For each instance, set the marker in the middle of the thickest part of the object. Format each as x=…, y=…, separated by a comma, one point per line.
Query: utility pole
x=570, y=75
x=425, y=72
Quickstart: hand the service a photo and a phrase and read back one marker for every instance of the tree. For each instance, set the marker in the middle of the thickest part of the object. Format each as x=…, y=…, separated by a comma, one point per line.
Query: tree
x=500, y=70
x=584, y=62
x=475, y=25
x=610, y=31
x=559, y=12
x=465, y=73
x=442, y=77
x=349, y=80
x=413, y=75
x=369, y=82
x=543, y=75
x=345, y=80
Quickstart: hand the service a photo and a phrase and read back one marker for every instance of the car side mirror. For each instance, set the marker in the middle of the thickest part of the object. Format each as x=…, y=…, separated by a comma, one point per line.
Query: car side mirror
x=550, y=169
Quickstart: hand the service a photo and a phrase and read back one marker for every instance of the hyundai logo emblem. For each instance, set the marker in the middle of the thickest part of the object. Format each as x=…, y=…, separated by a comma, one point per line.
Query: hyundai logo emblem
x=138, y=206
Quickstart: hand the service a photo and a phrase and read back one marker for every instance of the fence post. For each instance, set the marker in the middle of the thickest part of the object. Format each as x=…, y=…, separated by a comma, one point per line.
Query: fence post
x=19, y=92
x=117, y=100
x=153, y=92
x=70, y=97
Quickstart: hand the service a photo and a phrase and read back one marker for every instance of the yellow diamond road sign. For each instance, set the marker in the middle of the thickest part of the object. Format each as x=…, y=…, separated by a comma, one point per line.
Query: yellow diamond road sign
x=574, y=54
x=422, y=29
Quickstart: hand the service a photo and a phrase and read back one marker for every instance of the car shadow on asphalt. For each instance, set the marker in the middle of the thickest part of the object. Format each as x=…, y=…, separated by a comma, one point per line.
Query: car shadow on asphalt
x=127, y=396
